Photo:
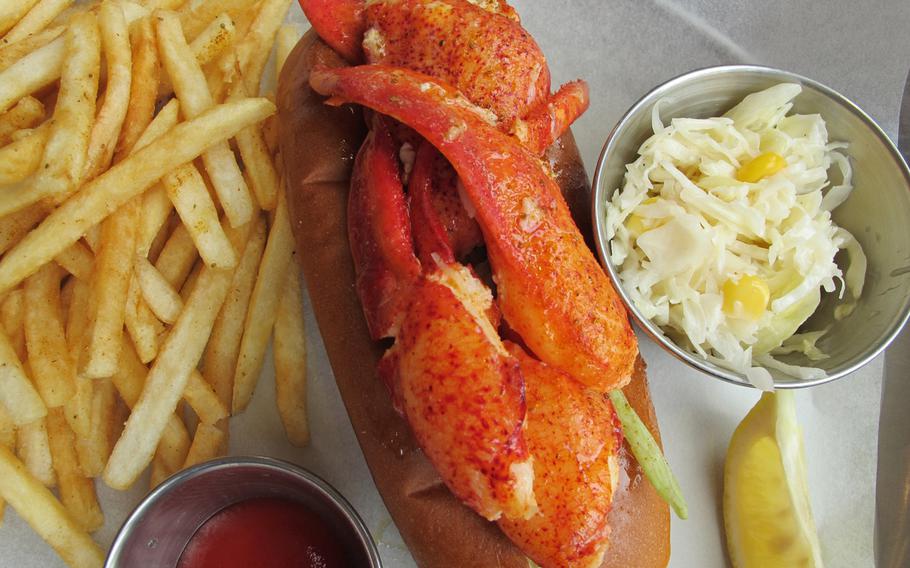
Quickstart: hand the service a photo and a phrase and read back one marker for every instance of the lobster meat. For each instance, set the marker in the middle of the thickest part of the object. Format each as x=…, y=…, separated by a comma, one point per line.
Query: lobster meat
x=518, y=429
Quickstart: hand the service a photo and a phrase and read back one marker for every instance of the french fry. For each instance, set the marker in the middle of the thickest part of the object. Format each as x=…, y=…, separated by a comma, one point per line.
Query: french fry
x=287, y=37
x=167, y=379
x=93, y=449
x=263, y=309
x=190, y=282
x=153, y=225
x=203, y=400
x=192, y=91
x=52, y=368
x=146, y=71
x=195, y=16
x=110, y=284
x=17, y=395
x=37, y=18
x=106, y=130
x=7, y=440
x=46, y=515
x=141, y=323
x=13, y=228
x=220, y=358
x=177, y=257
x=290, y=361
x=254, y=49
x=34, y=450
x=64, y=152
x=129, y=379
x=93, y=238
x=26, y=113
x=21, y=158
x=103, y=195
x=78, y=260
x=206, y=445
x=217, y=36
x=78, y=408
x=153, y=5
x=13, y=52
x=258, y=164
x=77, y=492
x=186, y=190
x=11, y=11
x=32, y=72
x=12, y=318
x=78, y=317
x=157, y=292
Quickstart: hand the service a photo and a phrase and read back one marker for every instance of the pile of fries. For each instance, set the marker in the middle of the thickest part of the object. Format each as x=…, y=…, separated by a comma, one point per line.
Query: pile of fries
x=146, y=254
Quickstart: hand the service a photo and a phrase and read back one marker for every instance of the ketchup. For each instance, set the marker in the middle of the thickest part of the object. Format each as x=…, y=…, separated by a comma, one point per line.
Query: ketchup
x=261, y=532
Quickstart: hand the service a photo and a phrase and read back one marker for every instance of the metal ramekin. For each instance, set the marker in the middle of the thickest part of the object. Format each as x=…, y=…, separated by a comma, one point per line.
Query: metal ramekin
x=877, y=212
x=157, y=531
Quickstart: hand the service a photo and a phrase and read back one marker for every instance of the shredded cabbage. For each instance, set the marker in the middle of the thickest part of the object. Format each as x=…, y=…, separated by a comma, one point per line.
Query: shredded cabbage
x=683, y=225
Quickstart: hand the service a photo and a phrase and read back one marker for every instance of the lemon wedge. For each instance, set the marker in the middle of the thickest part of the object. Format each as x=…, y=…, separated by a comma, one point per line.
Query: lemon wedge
x=767, y=516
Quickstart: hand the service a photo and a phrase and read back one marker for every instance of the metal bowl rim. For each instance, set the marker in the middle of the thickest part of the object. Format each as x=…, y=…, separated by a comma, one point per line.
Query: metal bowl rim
x=602, y=243
x=259, y=462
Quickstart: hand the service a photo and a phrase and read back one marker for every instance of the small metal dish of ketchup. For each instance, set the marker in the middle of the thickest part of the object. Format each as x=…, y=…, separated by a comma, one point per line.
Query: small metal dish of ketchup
x=246, y=511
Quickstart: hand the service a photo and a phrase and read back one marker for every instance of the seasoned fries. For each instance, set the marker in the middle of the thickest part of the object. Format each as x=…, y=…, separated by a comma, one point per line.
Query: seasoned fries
x=27, y=75
x=146, y=71
x=17, y=395
x=38, y=506
x=27, y=113
x=48, y=354
x=21, y=158
x=194, y=96
x=39, y=16
x=167, y=379
x=103, y=195
x=290, y=361
x=145, y=248
x=105, y=132
x=263, y=309
x=64, y=152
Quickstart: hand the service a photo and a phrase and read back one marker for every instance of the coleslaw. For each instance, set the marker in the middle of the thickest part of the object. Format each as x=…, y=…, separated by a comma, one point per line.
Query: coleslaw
x=722, y=233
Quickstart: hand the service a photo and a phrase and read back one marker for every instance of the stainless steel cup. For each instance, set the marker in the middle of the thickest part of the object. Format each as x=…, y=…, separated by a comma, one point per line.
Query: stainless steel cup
x=157, y=531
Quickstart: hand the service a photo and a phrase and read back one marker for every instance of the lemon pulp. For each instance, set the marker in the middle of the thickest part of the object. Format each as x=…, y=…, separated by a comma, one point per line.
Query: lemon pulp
x=767, y=516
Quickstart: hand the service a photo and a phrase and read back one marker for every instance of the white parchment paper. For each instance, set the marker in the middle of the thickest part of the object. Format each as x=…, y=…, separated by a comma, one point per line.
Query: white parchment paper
x=623, y=48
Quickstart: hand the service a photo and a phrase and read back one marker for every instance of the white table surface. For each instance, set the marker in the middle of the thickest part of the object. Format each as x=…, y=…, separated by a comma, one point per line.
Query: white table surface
x=623, y=48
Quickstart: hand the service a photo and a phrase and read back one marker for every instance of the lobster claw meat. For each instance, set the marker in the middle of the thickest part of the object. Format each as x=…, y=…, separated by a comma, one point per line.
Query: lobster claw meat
x=479, y=47
x=551, y=290
x=439, y=218
x=574, y=436
x=463, y=395
x=380, y=233
x=448, y=371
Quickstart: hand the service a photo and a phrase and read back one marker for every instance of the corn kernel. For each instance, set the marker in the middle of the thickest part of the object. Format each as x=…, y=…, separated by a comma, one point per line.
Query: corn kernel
x=761, y=166
x=747, y=297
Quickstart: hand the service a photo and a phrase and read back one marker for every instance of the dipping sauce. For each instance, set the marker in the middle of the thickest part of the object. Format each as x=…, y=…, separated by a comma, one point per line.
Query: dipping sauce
x=260, y=532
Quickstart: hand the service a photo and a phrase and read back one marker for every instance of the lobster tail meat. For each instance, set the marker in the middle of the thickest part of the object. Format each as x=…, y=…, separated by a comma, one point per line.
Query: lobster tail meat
x=551, y=290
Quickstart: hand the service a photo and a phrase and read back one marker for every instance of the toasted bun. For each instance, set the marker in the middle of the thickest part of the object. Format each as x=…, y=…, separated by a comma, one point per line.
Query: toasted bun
x=318, y=144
